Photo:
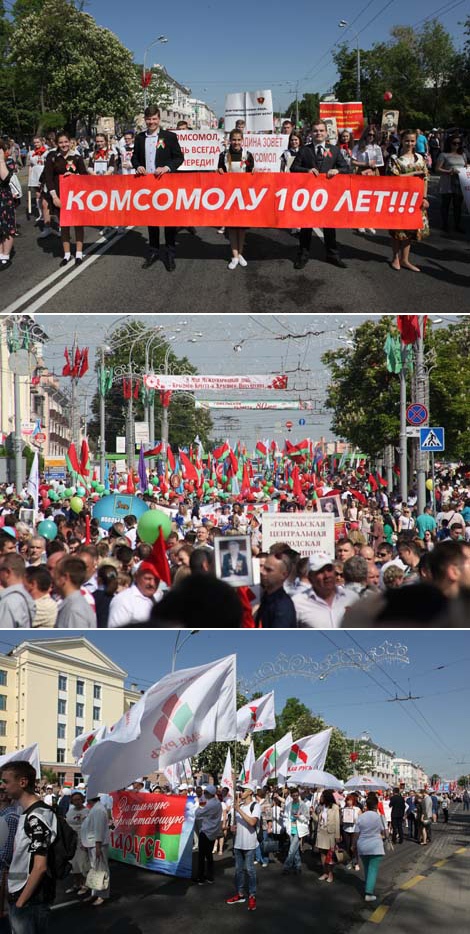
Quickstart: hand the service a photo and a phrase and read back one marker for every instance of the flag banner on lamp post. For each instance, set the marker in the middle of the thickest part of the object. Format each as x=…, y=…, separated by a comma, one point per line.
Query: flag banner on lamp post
x=176, y=718
x=153, y=831
x=276, y=200
x=256, y=715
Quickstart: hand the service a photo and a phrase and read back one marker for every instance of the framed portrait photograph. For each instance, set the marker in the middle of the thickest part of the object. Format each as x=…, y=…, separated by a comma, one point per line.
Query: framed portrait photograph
x=331, y=505
x=233, y=560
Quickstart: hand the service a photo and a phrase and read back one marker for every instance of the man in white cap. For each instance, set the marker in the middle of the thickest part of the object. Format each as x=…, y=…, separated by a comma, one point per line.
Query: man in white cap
x=323, y=606
x=211, y=819
x=247, y=816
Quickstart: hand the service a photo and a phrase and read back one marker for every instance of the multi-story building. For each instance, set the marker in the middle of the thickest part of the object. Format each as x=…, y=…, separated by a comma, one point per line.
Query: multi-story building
x=382, y=761
x=201, y=114
x=54, y=689
x=179, y=107
x=409, y=774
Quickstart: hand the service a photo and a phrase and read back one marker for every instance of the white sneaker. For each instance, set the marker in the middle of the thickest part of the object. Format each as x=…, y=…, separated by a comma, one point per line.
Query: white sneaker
x=361, y=230
x=370, y=230
x=370, y=898
x=233, y=263
x=242, y=260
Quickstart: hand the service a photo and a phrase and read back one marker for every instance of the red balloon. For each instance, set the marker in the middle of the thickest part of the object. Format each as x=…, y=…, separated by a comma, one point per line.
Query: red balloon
x=388, y=96
x=45, y=502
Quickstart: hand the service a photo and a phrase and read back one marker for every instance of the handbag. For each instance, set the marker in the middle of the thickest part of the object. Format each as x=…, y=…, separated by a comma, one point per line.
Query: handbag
x=340, y=855
x=97, y=879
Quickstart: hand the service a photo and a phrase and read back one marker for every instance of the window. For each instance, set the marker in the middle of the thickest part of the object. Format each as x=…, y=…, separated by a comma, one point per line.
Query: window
x=3, y=727
x=79, y=708
x=62, y=683
x=61, y=731
x=61, y=706
x=78, y=730
x=60, y=755
x=3, y=750
x=96, y=713
x=3, y=678
x=3, y=702
x=97, y=691
x=60, y=778
x=80, y=687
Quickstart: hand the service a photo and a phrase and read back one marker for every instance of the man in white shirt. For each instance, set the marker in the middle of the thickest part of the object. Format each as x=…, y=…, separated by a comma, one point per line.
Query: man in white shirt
x=95, y=838
x=134, y=605
x=247, y=816
x=210, y=823
x=323, y=606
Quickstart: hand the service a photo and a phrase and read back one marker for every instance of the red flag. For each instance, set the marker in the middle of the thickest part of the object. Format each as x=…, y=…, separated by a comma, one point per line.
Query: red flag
x=87, y=530
x=372, y=483
x=83, y=363
x=67, y=370
x=360, y=497
x=77, y=362
x=382, y=480
x=130, y=483
x=126, y=388
x=154, y=452
x=190, y=472
x=159, y=559
x=245, y=595
x=136, y=389
x=171, y=458
x=246, y=485
x=408, y=325
x=84, y=458
x=296, y=484
x=73, y=459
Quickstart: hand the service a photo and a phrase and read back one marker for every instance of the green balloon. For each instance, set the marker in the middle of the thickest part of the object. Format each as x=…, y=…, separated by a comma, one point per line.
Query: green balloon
x=68, y=492
x=76, y=504
x=149, y=524
x=99, y=488
x=53, y=496
x=106, y=492
x=81, y=491
x=155, y=481
x=94, y=484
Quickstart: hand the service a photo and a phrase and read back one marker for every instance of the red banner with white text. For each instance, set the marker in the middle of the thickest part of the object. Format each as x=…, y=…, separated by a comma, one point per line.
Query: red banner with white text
x=233, y=200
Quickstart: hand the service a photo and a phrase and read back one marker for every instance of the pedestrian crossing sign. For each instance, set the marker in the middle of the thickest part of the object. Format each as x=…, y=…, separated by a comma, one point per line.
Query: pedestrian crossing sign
x=431, y=439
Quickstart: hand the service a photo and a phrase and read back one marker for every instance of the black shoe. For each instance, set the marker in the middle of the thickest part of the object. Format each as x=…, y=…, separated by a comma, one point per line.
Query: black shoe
x=336, y=261
x=151, y=259
x=301, y=261
x=191, y=230
x=170, y=263
x=5, y=263
x=78, y=260
x=64, y=262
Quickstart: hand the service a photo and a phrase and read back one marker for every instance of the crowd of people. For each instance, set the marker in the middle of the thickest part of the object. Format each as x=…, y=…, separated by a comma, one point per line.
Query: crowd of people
x=158, y=151
x=260, y=826
x=391, y=564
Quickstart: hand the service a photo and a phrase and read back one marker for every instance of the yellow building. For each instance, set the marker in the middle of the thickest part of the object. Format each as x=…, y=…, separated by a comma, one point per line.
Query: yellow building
x=54, y=689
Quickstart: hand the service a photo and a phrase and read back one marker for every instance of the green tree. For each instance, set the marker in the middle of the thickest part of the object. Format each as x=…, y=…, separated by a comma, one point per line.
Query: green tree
x=463, y=781
x=309, y=108
x=434, y=778
x=183, y=419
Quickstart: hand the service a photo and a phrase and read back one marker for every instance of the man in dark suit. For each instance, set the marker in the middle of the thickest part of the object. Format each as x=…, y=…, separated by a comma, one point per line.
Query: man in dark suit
x=157, y=151
x=320, y=158
x=234, y=562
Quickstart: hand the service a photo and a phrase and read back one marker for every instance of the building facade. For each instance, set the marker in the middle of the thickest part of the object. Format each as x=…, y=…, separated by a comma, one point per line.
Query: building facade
x=201, y=114
x=54, y=689
x=409, y=774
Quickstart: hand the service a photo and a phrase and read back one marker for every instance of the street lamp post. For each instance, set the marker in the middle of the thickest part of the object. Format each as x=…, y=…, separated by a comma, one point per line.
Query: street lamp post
x=343, y=24
x=179, y=645
x=161, y=39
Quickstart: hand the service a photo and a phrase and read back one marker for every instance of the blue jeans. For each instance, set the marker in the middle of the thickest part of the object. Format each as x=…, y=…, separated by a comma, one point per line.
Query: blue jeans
x=259, y=852
x=371, y=868
x=244, y=864
x=32, y=919
x=293, y=857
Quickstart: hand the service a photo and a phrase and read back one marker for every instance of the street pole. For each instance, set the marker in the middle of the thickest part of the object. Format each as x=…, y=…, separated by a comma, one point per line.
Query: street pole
x=18, y=442
x=403, y=437
x=358, y=74
x=420, y=397
x=297, y=104
x=102, y=420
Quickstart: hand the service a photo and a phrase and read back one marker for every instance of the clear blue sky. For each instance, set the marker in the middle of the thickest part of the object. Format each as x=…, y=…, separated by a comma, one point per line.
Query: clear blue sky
x=215, y=48
x=432, y=730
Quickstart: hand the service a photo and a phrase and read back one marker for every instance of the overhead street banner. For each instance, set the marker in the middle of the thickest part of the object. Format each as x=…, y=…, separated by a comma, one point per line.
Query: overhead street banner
x=267, y=199
x=235, y=404
x=182, y=383
x=153, y=831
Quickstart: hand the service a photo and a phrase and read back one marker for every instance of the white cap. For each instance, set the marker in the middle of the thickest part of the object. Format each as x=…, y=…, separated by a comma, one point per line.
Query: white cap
x=319, y=561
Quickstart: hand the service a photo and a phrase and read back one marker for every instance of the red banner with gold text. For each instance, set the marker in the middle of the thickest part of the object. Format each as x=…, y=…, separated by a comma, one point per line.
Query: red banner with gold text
x=232, y=200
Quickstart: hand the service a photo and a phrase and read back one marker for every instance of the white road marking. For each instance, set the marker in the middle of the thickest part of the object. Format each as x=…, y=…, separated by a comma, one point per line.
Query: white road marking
x=101, y=246
x=73, y=901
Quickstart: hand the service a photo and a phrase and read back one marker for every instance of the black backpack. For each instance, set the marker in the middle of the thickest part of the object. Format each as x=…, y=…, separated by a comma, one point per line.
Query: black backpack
x=62, y=850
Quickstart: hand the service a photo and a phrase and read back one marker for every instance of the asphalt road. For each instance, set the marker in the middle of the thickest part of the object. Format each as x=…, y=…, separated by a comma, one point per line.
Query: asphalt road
x=143, y=901
x=111, y=278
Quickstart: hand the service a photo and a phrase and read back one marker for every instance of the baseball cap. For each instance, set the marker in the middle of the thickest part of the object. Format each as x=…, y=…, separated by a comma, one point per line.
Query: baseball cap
x=318, y=561
x=210, y=789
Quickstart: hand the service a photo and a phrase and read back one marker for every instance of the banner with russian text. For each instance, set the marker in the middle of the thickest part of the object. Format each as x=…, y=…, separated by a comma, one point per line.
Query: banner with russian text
x=153, y=831
x=348, y=115
x=305, y=532
x=267, y=199
x=182, y=383
x=202, y=149
x=254, y=107
x=236, y=404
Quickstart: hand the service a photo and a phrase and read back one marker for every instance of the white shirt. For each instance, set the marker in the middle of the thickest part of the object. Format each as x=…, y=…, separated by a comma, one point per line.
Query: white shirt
x=151, y=141
x=314, y=613
x=246, y=837
x=95, y=828
x=130, y=606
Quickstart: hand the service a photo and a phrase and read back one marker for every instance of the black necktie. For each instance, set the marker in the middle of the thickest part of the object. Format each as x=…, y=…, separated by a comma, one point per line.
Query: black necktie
x=319, y=152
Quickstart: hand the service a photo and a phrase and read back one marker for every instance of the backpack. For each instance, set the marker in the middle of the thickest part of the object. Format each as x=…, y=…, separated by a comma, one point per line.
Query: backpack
x=62, y=850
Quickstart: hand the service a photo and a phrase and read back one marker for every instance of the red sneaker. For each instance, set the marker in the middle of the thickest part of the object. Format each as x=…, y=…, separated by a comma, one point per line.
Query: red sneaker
x=252, y=903
x=235, y=899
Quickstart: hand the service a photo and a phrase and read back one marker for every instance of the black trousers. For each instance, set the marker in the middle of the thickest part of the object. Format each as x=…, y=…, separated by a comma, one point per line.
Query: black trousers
x=329, y=234
x=205, y=858
x=457, y=200
x=170, y=238
x=397, y=828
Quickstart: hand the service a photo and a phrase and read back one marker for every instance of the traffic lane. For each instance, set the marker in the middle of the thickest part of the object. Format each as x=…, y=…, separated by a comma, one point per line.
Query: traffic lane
x=139, y=896
x=202, y=283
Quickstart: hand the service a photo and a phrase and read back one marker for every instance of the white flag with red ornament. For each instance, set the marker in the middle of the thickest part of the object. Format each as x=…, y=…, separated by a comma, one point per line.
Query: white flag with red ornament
x=256, y=715
x=272, y=763
x=28, y=754
x=83, y=742
x=246, y=774
x=177, y=717
x=179, y=773
x=227, y=776
x=308, y=754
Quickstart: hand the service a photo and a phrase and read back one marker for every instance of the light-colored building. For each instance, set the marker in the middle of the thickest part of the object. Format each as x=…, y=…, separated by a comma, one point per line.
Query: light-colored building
x=52, y=690
x=179, y=107
x=382, y=761
x=409, y=774
x=201, y=114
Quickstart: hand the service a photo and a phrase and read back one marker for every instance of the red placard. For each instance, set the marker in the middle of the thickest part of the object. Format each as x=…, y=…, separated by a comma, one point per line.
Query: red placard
x=264, y=200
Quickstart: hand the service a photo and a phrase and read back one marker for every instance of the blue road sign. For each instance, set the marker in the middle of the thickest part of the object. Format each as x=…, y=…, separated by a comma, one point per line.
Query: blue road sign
x=302, y=421
x=416, y=414
x=431, y=439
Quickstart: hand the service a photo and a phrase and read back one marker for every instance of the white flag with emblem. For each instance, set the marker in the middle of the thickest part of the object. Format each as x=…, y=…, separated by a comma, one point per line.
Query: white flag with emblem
x=83, y=742
x=227, y=777
x=272, y=763
x=256, y=715
x=246, y=774
x=308, y=754
x=177, y=717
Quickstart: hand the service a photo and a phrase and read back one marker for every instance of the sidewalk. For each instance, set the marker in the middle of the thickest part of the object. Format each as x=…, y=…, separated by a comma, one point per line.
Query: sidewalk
x=435, y=896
